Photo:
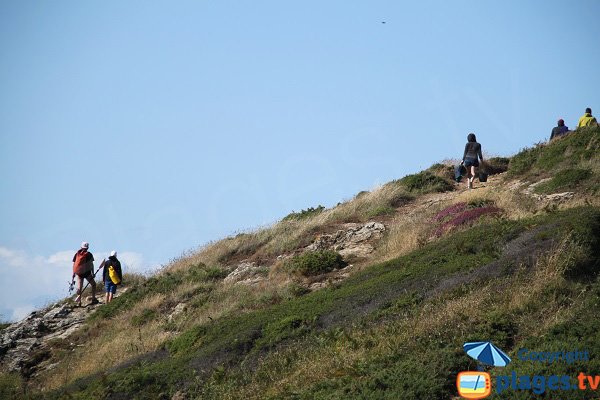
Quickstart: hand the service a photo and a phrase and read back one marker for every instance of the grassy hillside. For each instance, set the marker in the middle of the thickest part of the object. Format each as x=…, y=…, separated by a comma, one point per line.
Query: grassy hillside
x=500, y=263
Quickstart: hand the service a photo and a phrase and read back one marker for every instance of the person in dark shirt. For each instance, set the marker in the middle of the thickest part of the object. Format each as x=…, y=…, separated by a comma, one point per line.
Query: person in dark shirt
x=471, y=158
x=559, y=130
x=109, y=285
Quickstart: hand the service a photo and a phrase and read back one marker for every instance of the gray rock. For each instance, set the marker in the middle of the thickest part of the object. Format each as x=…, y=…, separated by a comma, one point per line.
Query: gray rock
x=179, y=309
x=353, y=240
x=247, y=273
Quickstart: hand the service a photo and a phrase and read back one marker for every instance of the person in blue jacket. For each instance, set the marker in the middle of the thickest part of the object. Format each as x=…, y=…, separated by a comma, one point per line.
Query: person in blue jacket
x=560, y=130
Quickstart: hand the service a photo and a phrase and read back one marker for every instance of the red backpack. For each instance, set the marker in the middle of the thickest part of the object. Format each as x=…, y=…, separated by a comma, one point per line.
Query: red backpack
x=80, y=266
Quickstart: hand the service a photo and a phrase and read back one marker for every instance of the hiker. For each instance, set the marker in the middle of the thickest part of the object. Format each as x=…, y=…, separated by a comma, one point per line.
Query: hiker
x=83, y=268
x=470, y=158
x=559, y=130
x=587, y=119
x=112, y=276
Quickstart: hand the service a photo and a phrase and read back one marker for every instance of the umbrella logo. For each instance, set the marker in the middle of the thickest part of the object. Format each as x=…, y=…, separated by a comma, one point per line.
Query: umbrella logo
x=487, y=353
x=478, y=384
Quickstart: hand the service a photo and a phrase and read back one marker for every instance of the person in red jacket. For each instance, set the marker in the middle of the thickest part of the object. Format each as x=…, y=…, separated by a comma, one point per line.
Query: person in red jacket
x=83, y=268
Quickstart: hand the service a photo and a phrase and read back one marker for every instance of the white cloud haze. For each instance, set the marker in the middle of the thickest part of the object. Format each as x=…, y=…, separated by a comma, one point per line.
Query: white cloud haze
x=30, y=281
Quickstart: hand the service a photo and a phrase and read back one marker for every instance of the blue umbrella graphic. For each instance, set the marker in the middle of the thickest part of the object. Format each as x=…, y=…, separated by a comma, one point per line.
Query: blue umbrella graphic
x=487, y=353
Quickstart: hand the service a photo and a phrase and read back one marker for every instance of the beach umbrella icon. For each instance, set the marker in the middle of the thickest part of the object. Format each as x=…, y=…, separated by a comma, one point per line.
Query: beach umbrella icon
x=487, y=353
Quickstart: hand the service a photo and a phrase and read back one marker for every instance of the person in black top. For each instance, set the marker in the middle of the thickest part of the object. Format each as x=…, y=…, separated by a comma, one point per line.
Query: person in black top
x=471, y=158
x=559, y=130
x=109, y=285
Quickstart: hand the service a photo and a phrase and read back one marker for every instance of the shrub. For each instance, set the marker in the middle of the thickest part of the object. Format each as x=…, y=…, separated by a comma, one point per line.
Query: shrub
x=425, y=182
x=309, y=212
x=496, y=165
x=315, y=262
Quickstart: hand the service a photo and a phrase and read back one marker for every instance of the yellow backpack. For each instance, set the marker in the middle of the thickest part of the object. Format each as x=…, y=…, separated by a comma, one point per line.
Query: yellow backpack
x=114, y=277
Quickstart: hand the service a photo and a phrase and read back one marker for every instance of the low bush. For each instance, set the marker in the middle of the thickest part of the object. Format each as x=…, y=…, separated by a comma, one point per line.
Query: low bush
x=309, y=212
x=315, y=262
x=424, y=182
x=496, y=165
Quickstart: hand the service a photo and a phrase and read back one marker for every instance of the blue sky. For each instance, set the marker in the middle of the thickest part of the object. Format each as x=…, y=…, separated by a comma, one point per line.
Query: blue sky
x=154, y=127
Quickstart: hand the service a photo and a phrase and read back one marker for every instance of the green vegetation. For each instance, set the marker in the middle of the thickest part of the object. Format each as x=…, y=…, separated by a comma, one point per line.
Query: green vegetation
x=567, y=179
x=315, y=262
x=425, y=182
x=576, y=148
x=309, y=212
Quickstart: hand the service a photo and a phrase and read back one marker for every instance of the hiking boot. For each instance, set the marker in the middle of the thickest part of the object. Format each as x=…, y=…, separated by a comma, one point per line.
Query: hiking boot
x=470, y=183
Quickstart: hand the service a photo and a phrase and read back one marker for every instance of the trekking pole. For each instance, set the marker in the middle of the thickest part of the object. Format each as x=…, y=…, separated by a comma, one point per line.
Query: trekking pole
x=72, y=285
x=88, y=283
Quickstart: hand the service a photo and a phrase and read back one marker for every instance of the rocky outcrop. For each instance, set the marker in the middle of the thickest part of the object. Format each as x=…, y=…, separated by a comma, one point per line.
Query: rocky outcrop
x=354, y=240
x=177, y=311
x=24, y=344
x=530, y=191
x=248, y=273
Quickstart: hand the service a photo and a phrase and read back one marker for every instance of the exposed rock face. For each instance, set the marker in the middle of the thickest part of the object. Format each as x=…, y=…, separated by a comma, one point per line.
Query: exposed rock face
x=555, y=197
x=178, y=310
x=24, y=344
x=353, y=240
x=530, y=191
x=248, y=273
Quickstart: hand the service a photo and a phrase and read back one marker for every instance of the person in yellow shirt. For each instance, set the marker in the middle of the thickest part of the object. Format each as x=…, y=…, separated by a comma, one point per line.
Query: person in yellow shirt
x=587, y=119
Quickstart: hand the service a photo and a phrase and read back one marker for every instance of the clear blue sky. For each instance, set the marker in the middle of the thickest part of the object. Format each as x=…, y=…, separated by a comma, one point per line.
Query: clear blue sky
x=154, y=127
